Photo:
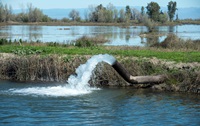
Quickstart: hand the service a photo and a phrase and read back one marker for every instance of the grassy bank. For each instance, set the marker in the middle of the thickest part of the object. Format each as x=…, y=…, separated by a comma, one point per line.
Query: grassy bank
x=52, y=67
x=35, y=61
x=171, y=55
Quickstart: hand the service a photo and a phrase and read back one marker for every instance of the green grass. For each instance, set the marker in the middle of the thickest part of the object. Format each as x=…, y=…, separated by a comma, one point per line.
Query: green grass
x=178, y=56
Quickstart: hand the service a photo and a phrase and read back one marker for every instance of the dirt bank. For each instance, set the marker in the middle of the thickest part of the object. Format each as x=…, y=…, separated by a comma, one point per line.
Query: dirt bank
x=184, y=77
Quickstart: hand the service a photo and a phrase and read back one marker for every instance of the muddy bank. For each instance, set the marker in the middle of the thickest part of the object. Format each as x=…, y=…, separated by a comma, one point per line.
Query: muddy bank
x=184, y=77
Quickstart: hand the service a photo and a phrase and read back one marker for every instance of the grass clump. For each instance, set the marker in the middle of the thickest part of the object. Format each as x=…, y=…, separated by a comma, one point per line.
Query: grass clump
x=86, y=41
x=174, y=42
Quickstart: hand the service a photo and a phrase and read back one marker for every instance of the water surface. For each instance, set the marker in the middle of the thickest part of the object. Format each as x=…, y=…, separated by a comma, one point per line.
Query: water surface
x=108, y=106
x=116, y=35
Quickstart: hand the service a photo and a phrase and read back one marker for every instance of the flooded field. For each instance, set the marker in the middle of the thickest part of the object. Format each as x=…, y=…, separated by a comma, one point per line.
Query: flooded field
x=132, y=36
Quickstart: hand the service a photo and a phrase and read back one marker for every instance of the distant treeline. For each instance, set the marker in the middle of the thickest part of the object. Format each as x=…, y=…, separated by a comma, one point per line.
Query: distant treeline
x=108, y=14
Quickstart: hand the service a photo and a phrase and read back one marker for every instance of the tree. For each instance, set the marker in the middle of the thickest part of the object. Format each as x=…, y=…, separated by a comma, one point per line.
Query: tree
x=102, y=14
x=34, y=13
x=142, y=11
x=97, y=13
x=153, y=10
x=37, y=15
x=128, y=12
x=110, y=12
x=2, y=14
x=30, y=12
x=121, y=15
x=74, y=15
x=148, y=23
x=5, y=12
x=171, y=10
x=135, y=14
x=163, y=17
x=115, y=15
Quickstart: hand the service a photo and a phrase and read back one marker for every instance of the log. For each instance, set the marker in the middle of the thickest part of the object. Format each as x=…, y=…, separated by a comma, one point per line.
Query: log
x=137, y=79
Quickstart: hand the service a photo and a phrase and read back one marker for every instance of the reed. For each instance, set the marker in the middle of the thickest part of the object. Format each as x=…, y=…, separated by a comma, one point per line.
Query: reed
x=38, y=68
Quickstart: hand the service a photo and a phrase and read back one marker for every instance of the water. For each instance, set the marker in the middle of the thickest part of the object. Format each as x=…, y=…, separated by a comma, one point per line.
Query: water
x=76, y=84
x=116, y=35
x=75, y=103
x=108, y=106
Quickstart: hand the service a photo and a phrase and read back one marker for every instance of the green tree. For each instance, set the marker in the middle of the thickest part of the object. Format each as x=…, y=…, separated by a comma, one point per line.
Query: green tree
x=163, y=17
x=142, y=10
x=97, y=13
x=22, y=17
x=171, y=10
x=153, y=10
x=128, y=12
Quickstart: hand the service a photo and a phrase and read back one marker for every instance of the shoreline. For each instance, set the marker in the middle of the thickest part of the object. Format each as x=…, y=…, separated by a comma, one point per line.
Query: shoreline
x=59, y=23
x=181, y=77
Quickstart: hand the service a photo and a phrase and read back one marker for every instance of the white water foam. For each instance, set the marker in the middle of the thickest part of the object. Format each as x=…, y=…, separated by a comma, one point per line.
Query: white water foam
x=76, y=84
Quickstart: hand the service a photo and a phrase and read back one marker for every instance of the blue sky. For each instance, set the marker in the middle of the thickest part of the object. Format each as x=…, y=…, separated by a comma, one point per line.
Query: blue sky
x=47, y=4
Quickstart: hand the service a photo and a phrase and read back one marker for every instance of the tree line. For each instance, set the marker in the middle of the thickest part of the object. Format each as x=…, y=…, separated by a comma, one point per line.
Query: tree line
x=108, y=14
x=30, y=14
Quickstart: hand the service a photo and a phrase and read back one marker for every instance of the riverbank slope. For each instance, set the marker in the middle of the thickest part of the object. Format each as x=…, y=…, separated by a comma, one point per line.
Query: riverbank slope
x=183, y=77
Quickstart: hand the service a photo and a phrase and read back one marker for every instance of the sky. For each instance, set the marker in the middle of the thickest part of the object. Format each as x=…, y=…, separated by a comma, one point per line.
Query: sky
x=64, y=4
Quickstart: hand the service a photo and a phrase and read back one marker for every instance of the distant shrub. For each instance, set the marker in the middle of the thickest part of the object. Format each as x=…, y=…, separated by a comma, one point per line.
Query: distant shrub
x=4, y=41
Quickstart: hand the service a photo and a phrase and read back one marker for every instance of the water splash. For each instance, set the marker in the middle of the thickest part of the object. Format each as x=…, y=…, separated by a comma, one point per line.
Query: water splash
x=76, y=84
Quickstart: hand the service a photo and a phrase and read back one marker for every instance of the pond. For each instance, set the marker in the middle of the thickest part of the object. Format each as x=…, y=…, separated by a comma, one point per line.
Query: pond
x=116, y=35
x=105, y=106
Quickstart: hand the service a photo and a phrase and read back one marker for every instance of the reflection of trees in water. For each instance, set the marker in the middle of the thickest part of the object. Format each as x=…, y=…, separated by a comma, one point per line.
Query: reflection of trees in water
x=171, y=29
x=150, y=40
x=35, y=32
x=5, y=35
x=6, y=32
x=127, y=34
x=127, y=38
x=74, y=30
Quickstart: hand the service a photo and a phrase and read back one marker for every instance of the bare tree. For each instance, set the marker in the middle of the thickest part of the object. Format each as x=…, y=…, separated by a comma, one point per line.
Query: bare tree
x=122, y=16
x=74, y=15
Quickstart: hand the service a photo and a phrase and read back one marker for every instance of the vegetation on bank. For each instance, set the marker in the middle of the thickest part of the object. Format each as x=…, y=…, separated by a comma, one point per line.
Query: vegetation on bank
x=57, y=68
x=172, y=48
x=99, y=14
x=36, y=61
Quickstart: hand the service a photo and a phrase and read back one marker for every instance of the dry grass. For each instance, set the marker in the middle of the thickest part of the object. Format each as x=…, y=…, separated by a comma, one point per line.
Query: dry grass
x=175, y=43
x=86, y=41
x=39, y=68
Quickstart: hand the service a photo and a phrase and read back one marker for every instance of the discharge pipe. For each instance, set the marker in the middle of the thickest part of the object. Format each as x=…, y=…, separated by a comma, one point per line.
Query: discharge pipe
x=136, y=79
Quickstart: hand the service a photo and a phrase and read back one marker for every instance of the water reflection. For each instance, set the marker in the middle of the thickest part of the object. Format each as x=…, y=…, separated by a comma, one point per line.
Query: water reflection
x=132, y=36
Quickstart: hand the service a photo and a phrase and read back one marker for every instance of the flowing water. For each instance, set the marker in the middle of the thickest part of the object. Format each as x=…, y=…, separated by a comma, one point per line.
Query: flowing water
x=116, y=35
x=75, y=103
x=106, y=106
x=76, y=84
